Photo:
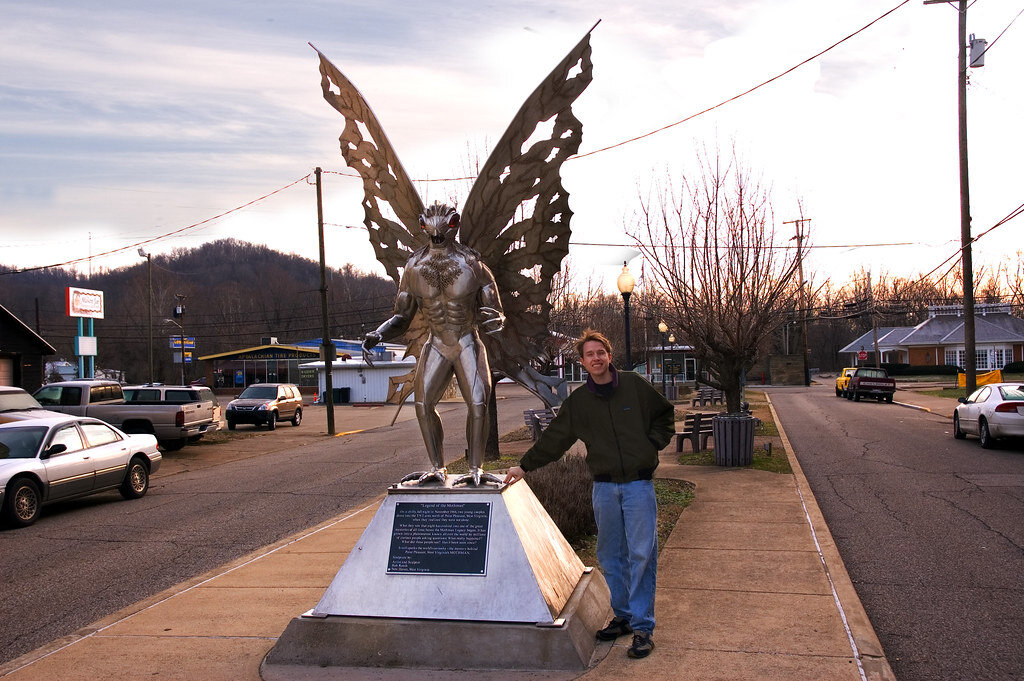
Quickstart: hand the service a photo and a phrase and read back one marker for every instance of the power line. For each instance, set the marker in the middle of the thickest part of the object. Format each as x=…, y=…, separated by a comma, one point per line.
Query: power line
x=161, y=236
x=746, y=92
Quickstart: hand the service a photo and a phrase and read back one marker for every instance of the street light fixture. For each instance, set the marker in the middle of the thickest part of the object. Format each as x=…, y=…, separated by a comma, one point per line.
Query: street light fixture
x=149, y=305
x=626, y=282
x=663, y=328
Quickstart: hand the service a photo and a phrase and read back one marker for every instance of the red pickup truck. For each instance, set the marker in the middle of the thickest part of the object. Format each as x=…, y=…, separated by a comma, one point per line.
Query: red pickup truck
x=870, y=382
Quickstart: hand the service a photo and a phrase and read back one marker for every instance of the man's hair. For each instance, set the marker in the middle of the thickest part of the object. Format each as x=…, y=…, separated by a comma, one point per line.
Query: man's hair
x=592, y=335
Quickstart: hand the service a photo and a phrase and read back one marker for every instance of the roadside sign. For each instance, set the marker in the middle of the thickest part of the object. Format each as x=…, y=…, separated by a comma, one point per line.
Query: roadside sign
x=190, y=342
x=862, y=355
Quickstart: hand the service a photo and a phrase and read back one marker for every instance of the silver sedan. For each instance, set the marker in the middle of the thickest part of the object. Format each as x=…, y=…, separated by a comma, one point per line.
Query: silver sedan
x=992, y=411
x=60, y=457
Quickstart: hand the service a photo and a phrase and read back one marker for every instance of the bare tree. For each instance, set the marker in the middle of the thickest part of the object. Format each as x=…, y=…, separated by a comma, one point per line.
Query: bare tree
x=711, y=248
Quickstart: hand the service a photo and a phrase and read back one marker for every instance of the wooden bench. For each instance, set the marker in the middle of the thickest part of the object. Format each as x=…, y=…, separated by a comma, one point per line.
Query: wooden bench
x=537, y=420
x=696, y=429
x=706, y=396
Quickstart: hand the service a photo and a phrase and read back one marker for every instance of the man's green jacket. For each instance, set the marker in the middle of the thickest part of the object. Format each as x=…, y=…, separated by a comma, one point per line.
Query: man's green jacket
x=623, y=432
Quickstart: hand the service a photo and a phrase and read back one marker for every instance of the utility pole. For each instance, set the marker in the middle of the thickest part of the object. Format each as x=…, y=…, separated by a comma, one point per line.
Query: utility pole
x=874, y=320
x=327, y=348
x=966, y=264
x=179, y=313
x=803, y=299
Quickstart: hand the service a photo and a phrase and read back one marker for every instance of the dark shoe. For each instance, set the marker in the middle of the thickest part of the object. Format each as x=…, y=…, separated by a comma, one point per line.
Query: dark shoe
x=642, y=645
x=619, y=626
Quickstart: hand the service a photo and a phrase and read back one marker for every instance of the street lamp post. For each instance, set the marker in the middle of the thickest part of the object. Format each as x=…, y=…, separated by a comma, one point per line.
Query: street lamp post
x=663, y=328
x=149, y=306
x=672, y=340
x=626, y=283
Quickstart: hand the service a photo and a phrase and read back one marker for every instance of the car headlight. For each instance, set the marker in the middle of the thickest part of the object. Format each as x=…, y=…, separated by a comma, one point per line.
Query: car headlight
x=262, y=407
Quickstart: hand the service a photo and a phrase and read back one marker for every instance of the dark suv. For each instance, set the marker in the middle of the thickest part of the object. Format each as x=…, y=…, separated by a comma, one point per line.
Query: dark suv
x=266, y=404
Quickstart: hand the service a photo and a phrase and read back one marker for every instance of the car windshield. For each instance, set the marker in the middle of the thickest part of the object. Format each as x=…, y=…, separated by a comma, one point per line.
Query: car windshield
x=1012, y=392
x=872, y=373
x=17, y=401
x=259, y=392
x=21, y=442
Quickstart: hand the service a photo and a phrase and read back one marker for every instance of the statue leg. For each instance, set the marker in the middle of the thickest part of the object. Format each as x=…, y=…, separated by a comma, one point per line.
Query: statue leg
x=474, y=376
x=432, y=375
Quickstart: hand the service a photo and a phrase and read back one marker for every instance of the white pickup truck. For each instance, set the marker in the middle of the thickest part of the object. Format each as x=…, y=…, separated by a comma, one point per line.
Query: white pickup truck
x=172, y=424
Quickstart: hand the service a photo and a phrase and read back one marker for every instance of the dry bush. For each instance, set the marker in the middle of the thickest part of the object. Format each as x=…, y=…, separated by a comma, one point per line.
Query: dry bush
x=564, y=489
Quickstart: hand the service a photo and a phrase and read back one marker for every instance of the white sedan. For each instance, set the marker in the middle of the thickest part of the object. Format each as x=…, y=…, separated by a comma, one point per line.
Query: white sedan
x=992, y=411
x=60, y=457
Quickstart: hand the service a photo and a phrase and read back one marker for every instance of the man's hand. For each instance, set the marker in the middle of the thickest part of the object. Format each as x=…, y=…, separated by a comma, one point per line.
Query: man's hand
x=514, y=473
x=369, y=341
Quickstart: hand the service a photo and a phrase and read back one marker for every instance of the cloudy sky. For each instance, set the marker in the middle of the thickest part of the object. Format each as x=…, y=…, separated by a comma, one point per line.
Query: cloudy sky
x=126, y=123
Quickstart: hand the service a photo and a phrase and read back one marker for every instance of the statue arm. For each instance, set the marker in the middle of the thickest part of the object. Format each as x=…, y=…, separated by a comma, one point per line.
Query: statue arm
x=493, y=316
x=405, y=310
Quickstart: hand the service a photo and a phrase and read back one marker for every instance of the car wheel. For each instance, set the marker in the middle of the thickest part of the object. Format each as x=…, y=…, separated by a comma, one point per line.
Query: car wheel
x=22, y=502
x=231, y=424
x=297, y=419
x=985, y=438
x=889, y=399
x=856, y=396
x=957, y=432
x=272, y=421
x=839, y=393
x=173, y=445
x=136, y=480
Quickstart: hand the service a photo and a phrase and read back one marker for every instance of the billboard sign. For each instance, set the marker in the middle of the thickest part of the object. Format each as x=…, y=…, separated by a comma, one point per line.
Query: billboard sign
x=82, y=302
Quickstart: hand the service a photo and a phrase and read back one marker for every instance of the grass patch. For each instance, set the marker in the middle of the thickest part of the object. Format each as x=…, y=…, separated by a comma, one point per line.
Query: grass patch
x=516, y=435
x=767, y=432
x=460, y=466
x=944, y=392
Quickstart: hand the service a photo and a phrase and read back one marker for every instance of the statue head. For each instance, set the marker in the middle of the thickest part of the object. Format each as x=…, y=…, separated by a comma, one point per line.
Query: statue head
x=440, y=222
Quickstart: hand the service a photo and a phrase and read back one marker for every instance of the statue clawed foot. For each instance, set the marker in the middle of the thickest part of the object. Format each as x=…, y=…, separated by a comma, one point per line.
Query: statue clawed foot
x=438, y=475
x=476, y=476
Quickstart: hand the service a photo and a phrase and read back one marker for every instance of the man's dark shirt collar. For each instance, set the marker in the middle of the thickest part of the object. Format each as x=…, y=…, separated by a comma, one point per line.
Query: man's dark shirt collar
x=593, y=387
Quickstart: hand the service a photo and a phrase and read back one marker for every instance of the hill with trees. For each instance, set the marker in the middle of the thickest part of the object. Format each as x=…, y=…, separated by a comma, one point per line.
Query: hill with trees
x=235, y=295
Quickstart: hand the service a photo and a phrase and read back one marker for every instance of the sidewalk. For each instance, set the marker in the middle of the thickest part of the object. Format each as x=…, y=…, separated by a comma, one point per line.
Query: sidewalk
x=750, y=587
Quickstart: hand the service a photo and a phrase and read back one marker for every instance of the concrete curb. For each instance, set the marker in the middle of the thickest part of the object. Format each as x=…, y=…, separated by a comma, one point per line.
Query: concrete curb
x=867, y=649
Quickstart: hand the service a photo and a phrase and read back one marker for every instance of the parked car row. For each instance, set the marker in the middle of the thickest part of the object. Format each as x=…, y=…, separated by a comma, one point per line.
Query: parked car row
x=48, y=456
x=172, y=422
x=854, y=383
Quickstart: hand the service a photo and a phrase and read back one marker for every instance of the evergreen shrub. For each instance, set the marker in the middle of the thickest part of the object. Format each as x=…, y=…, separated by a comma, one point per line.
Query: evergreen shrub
x=564, y=488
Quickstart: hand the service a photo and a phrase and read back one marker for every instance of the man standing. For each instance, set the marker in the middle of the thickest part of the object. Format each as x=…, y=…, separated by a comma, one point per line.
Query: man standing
x=624, y=422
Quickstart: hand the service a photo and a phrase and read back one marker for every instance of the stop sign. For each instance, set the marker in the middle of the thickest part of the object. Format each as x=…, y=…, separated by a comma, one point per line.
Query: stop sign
x=862, y=355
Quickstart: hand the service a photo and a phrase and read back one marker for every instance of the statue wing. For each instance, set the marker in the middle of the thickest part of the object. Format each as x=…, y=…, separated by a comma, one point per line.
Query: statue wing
x=390, y=202
x=517, y=217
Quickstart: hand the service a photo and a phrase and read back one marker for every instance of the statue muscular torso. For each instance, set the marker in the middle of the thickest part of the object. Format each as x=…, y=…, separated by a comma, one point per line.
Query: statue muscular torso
x=454, y=291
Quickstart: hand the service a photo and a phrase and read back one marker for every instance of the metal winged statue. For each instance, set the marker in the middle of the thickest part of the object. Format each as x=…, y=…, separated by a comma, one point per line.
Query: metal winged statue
x=479, y=304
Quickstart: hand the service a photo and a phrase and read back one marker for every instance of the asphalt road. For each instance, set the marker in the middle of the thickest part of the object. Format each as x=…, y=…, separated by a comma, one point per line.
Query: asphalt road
x=931, y=530
x=208, y=505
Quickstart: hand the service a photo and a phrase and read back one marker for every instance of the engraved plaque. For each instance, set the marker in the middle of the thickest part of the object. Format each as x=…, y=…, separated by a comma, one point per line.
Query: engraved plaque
x=442, y=538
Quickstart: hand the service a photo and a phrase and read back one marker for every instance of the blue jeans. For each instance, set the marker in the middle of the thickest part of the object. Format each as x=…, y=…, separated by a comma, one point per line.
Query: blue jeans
x=627, y=548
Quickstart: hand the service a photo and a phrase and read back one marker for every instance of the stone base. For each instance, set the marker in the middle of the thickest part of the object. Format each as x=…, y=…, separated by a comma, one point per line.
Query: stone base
x=313, y=642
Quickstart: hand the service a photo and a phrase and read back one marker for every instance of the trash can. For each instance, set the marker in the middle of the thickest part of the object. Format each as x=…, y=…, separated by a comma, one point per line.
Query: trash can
x=342, y=395
x=734, y=439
